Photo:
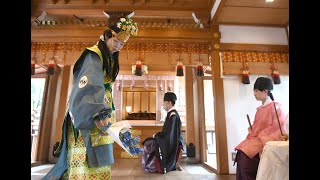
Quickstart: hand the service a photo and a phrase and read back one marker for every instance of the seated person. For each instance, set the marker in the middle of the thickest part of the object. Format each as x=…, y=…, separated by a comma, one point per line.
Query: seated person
x=170, y=138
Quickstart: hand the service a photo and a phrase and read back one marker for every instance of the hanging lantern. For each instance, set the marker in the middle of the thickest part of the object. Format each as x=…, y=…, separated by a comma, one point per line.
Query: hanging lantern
x=276, y=77
x=138, y=71
x=275, y=74
x=245, y=73
x=199, y=70
x=51, y=66
x=245, y=77
x=179, y=68
x=33, y=66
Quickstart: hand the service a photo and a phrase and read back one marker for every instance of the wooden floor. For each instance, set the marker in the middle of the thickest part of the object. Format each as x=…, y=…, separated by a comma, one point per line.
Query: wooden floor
x=128, y=169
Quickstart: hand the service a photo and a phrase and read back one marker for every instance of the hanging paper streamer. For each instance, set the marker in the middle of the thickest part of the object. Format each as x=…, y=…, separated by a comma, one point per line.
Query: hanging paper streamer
x=138, y=71
x=51, y=65
x=275, y=74
x=33, y=66
x=180, y=69
x=199, y=70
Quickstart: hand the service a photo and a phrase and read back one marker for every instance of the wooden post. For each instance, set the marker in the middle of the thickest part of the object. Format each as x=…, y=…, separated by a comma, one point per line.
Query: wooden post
x=219, y=106
x=190, y=128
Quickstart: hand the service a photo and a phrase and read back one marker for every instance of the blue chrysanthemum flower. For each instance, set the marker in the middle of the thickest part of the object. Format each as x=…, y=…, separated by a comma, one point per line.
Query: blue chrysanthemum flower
x=131, y=143
x=136, y=140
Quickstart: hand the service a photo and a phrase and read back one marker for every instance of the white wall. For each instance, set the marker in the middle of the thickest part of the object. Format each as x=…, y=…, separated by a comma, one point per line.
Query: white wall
x=239, y=99
x=253, y=35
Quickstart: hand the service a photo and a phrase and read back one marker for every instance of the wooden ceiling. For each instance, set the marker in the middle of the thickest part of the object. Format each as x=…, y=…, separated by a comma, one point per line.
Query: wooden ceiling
x=253, y=12
x=162, y=13
x=84, y=20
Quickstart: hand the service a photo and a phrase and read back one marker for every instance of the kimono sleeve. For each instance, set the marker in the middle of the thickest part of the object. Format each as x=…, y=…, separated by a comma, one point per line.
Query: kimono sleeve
x=168, y=133
x=87, y=96
x=273, y=133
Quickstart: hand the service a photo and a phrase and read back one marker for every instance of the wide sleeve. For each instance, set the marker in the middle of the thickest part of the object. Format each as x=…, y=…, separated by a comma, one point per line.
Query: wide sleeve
x=86, y=101
x=165, y=129
x=273, y=133
x=169, y=133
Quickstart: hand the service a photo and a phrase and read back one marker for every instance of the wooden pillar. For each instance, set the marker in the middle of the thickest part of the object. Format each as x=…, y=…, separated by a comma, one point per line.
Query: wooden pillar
x=117, y=92
x=198, y=116
x=159, y=98
x=62, y=102
x=47, y=116
x=219, y=106
x=201, y=120
x=190, y=137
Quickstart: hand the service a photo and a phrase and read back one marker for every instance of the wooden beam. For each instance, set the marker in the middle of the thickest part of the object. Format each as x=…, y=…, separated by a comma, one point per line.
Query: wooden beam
x=250, y=24
x=137, y=12
x=211, y=3
x=204, y=18
x=106, y=6
x=255, y=68
x=218, y=11
x=85, y=34
x=253, y=47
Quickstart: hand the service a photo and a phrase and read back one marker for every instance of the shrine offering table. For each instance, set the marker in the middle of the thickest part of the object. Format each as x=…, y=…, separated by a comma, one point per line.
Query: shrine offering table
x=274, y=161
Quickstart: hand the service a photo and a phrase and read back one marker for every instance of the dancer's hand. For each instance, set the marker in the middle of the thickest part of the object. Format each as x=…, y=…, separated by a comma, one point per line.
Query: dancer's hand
x=102, y=123
x=284, y=137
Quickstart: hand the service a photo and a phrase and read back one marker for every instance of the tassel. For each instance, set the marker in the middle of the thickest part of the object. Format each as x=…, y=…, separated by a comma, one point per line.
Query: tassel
x=275, y=74
x=200, y=72
x=51, y=66
x=245, y=73
x=138, y=69
x=276, y=77
x=179, y=69
x=33, y=66
x=245, y=77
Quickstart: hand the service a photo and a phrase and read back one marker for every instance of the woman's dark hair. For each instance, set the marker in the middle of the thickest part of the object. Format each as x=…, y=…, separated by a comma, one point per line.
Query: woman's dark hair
x=105, y=53
x=271, y=95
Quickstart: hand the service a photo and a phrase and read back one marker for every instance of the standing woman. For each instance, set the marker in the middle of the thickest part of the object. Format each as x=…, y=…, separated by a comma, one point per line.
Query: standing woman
x=86, y=150
x=265, y=128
